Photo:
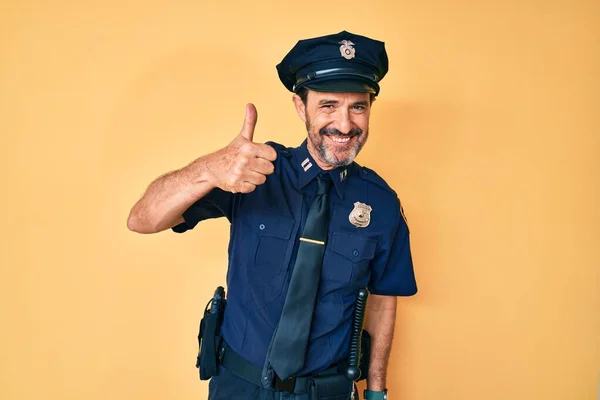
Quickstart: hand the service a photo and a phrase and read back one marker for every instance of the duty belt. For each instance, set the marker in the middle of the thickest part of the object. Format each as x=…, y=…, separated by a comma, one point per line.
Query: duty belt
x=249, y=372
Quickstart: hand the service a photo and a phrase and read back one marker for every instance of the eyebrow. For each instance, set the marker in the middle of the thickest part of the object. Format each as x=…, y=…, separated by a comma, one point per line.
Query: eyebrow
x=327, y=101
x=358, y=103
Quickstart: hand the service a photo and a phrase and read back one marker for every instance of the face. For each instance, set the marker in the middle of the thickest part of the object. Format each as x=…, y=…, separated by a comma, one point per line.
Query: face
x=337, y=125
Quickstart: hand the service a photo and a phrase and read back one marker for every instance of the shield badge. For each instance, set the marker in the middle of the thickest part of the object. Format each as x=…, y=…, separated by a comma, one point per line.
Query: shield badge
x=360, y=215
x=348, y=52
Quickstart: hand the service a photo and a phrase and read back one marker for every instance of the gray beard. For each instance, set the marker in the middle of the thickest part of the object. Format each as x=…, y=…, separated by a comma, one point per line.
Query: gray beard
x=328, y=156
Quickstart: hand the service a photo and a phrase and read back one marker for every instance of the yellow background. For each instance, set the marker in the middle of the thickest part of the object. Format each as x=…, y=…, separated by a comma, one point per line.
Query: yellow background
x=487, y=125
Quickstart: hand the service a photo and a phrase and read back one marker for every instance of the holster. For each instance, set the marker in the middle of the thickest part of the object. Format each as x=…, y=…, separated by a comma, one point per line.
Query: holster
x=332, y=387
x=366, y=355
x=209, y=338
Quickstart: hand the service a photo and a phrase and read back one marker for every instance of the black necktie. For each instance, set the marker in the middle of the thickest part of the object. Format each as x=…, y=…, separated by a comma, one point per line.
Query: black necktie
x=288, y=348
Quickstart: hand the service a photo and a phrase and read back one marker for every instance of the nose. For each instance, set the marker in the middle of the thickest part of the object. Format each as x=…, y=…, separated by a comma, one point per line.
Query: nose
x=344, y=122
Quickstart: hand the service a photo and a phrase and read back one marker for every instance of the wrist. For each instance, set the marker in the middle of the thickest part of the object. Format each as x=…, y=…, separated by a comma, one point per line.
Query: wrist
x=201, y=173
x=376, y=383
x=375, y=387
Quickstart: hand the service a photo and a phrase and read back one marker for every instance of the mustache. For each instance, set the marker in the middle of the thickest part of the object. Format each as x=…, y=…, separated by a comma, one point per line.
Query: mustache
x=335, y=132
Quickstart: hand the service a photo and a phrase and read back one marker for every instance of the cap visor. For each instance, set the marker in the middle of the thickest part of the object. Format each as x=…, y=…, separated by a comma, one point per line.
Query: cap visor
x=337, y=86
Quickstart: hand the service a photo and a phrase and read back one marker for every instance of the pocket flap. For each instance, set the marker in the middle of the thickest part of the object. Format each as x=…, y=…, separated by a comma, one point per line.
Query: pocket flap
x=271, y=225
x=354, y=248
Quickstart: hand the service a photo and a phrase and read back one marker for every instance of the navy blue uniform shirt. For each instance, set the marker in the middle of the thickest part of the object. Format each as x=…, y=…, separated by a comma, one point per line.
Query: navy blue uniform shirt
x=265, y=228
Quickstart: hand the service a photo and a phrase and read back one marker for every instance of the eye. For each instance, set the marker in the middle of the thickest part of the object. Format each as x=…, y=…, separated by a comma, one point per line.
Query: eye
x=327, y=106
x=359, y=108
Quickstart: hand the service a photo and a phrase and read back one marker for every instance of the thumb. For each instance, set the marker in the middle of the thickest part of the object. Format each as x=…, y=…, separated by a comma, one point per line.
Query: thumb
x=249, y=122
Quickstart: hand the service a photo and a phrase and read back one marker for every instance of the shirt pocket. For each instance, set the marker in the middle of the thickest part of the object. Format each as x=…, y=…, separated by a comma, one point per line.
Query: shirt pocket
x=349, y=258
x=270, y=238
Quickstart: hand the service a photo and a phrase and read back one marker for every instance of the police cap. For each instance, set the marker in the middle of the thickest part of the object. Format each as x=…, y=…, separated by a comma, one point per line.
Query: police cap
x=342, y=62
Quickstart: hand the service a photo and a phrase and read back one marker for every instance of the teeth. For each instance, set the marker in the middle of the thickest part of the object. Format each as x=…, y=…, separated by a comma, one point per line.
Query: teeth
x=338, y=139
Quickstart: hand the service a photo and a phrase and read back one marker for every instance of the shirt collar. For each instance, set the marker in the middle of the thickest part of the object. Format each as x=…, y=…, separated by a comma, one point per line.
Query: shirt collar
x=308, y=170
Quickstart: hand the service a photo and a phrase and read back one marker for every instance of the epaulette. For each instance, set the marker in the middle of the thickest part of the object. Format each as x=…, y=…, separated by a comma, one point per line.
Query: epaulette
x=280, y=149
x=372, y=176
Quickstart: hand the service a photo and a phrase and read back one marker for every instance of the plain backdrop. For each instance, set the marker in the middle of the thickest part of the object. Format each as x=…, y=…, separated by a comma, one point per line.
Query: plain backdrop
x=487, y=126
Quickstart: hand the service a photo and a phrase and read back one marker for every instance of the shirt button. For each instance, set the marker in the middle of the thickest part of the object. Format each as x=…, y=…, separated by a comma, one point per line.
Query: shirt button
x=355, y=253
x=261, y=227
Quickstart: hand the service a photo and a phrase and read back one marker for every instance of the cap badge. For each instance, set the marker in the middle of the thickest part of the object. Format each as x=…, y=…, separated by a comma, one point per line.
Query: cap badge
x=348, y=52
x=361, y=215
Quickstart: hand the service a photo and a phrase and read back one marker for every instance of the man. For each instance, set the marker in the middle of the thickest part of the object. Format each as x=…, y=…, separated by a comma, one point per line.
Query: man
x=309, y=229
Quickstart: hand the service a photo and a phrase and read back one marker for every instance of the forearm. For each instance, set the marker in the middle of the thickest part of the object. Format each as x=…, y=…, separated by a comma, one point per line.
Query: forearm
x=237, y=168
x=167, y=197
x=381, y=317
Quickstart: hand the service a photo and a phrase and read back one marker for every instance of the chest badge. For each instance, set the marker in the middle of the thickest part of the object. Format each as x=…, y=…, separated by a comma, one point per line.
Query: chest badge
x=360, y=215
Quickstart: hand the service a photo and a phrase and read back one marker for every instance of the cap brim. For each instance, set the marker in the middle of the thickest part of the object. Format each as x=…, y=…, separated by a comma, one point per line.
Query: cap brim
x=345, y=86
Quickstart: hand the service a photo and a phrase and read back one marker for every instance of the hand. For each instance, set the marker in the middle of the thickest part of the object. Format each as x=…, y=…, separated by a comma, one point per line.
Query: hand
x=243, y=164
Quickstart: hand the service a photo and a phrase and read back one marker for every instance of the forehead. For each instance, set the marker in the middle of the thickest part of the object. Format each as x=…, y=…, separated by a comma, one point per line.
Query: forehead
x=346, y=97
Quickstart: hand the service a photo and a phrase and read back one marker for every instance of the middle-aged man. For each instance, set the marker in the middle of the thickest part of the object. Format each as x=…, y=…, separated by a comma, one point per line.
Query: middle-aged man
x=309, y=229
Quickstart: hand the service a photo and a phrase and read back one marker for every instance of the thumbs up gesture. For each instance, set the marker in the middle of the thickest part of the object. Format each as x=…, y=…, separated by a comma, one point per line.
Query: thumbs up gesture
x=243, y=164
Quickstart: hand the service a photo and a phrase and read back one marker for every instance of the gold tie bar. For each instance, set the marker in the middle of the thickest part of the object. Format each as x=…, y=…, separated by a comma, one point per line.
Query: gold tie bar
x=312, y=241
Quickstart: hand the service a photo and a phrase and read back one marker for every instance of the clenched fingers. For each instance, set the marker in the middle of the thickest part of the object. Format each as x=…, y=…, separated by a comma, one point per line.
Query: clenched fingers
x=254, y=178
x=261, y=166
x=265, y=151
x=244, y=187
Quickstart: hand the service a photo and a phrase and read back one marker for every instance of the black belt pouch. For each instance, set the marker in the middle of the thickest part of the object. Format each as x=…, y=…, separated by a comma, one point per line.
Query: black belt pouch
x=209, y=341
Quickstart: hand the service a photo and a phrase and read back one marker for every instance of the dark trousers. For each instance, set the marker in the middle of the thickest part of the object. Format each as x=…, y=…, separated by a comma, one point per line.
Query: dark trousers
x=228, y=386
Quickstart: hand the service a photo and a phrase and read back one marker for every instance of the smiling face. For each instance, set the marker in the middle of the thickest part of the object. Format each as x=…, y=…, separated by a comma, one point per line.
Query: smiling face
x=337, y=125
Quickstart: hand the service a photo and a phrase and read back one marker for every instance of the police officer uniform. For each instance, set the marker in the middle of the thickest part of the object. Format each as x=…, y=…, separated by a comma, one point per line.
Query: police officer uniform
x=367, y=242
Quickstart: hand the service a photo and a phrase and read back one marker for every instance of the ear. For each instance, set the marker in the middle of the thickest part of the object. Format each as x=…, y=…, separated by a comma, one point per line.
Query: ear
x=300, y=107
